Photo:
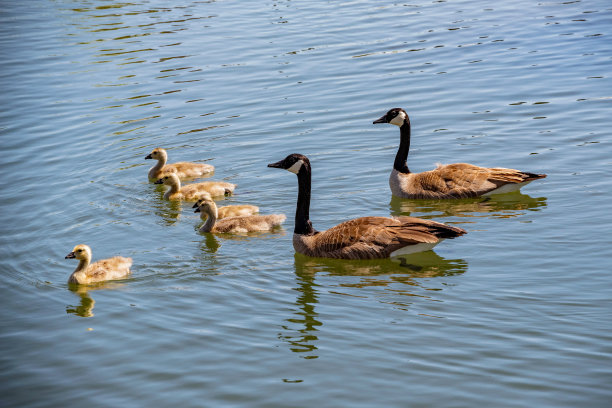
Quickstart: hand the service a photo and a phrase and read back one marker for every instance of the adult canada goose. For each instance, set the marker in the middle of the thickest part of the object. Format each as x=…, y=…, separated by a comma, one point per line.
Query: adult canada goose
x=235, y=210
x=458, y=180
x=192, y=192
x=181, y=169
x=106, y=269
x=359, y=238
x=244, y=223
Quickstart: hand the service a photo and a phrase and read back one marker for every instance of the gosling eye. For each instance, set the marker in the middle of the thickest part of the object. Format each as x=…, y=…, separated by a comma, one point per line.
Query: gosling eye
x=79, y=250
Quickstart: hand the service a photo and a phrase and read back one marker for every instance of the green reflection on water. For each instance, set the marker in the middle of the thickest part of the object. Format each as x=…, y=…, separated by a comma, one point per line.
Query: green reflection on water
x=406, y=270
x=496, y=206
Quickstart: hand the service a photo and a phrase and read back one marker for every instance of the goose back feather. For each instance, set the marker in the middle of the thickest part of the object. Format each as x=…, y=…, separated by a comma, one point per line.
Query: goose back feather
x=458, y=180
x=359, y=238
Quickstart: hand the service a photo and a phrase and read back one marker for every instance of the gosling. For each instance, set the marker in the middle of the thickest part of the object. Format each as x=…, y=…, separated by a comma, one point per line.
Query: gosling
x=182, y=169
x=117, y=267
x=192, y=192
x=246, y=223
x=230, y=210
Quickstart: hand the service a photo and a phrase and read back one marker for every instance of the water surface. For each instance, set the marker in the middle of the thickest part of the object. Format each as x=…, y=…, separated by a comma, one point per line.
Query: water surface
x=514, y=314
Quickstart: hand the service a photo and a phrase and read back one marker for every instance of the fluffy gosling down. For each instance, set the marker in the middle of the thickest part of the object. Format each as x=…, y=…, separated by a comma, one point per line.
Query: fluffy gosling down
x=245, y=223
x=117, y=267
x=359, y=238
x=192, y=192
x=458, y=180
x=236, y=210
x=182, y=169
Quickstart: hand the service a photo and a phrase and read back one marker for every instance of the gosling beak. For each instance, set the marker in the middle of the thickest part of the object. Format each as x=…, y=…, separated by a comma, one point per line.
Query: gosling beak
x=148, y=157
x=382, y=119
x=70, y=256
x=195, y=205
x=277, y=165
x=160, y=181
x=197, y=210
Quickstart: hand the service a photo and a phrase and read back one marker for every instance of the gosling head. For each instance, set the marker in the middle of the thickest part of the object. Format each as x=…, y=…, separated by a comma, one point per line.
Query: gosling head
x=201, y=200
x=205, y=206
x=294, y=163
x=80, y=252
x=157, y=154
x=396, y=116
x=169, y=180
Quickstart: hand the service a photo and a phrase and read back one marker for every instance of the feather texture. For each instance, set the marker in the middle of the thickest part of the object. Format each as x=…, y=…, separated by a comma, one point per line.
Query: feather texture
x=359, y=238
x=373, y=237
x=458, y=180
x=182, y=169
x=238, y=224
x=192, y=192
x=106, y=269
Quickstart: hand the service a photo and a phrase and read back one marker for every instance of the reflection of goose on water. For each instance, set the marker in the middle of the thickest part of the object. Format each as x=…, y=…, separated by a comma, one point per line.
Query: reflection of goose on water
x=458, y=180
x=181, y=169
x=87, y=303
x=359, y=238
x=85, y=308
x=499, y=206
x=420, y=265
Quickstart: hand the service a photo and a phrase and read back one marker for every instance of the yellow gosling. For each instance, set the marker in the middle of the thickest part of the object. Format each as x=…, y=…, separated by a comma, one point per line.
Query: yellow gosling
x=182, y=169
x=192, y=192
x=246, y=223
x=231, y=210
x=106, y=269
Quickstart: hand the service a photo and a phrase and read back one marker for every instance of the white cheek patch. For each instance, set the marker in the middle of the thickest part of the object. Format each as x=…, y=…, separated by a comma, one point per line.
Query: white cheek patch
x=296, y=166
x=399, y=119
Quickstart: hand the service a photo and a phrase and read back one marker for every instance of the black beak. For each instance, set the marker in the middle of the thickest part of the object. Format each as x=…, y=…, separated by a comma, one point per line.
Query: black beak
x=160, y=181
x=197, y=210
x=277, y=165
x=70, y=256
x=382, y=119
x=195, y=205
x=148, y=157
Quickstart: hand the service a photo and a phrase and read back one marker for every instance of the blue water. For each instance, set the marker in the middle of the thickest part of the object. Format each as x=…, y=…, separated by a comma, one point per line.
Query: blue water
x=514, y=314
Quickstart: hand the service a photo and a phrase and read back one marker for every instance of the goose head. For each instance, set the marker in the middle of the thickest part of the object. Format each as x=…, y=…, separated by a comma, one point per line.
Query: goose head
x=169, y=180
x=157, y=154
x=81, y=252
x=293, y=163
x=396, y=116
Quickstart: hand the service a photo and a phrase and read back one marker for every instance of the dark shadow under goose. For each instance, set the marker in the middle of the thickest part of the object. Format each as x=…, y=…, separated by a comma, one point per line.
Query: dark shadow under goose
x=359, y=238
x=457, y=180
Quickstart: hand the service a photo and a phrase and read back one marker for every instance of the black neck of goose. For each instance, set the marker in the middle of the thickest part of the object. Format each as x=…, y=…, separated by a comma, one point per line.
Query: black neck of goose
x=402, y=152
x=303, y=226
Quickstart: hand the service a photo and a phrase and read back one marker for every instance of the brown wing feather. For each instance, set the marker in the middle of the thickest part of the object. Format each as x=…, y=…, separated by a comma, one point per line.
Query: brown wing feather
x=463, y=180
x=376, y=237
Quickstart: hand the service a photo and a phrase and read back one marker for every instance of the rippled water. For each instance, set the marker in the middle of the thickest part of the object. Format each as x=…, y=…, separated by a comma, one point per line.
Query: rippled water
x=514, y=314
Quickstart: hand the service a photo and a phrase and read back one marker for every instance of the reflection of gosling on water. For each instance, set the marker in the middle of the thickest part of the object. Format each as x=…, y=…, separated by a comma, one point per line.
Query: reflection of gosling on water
x=359, y=238
x=106, y=269
x=191, y=192
x=245, y=223
x=236, y=210
x=458, y=180
x=181, y=169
